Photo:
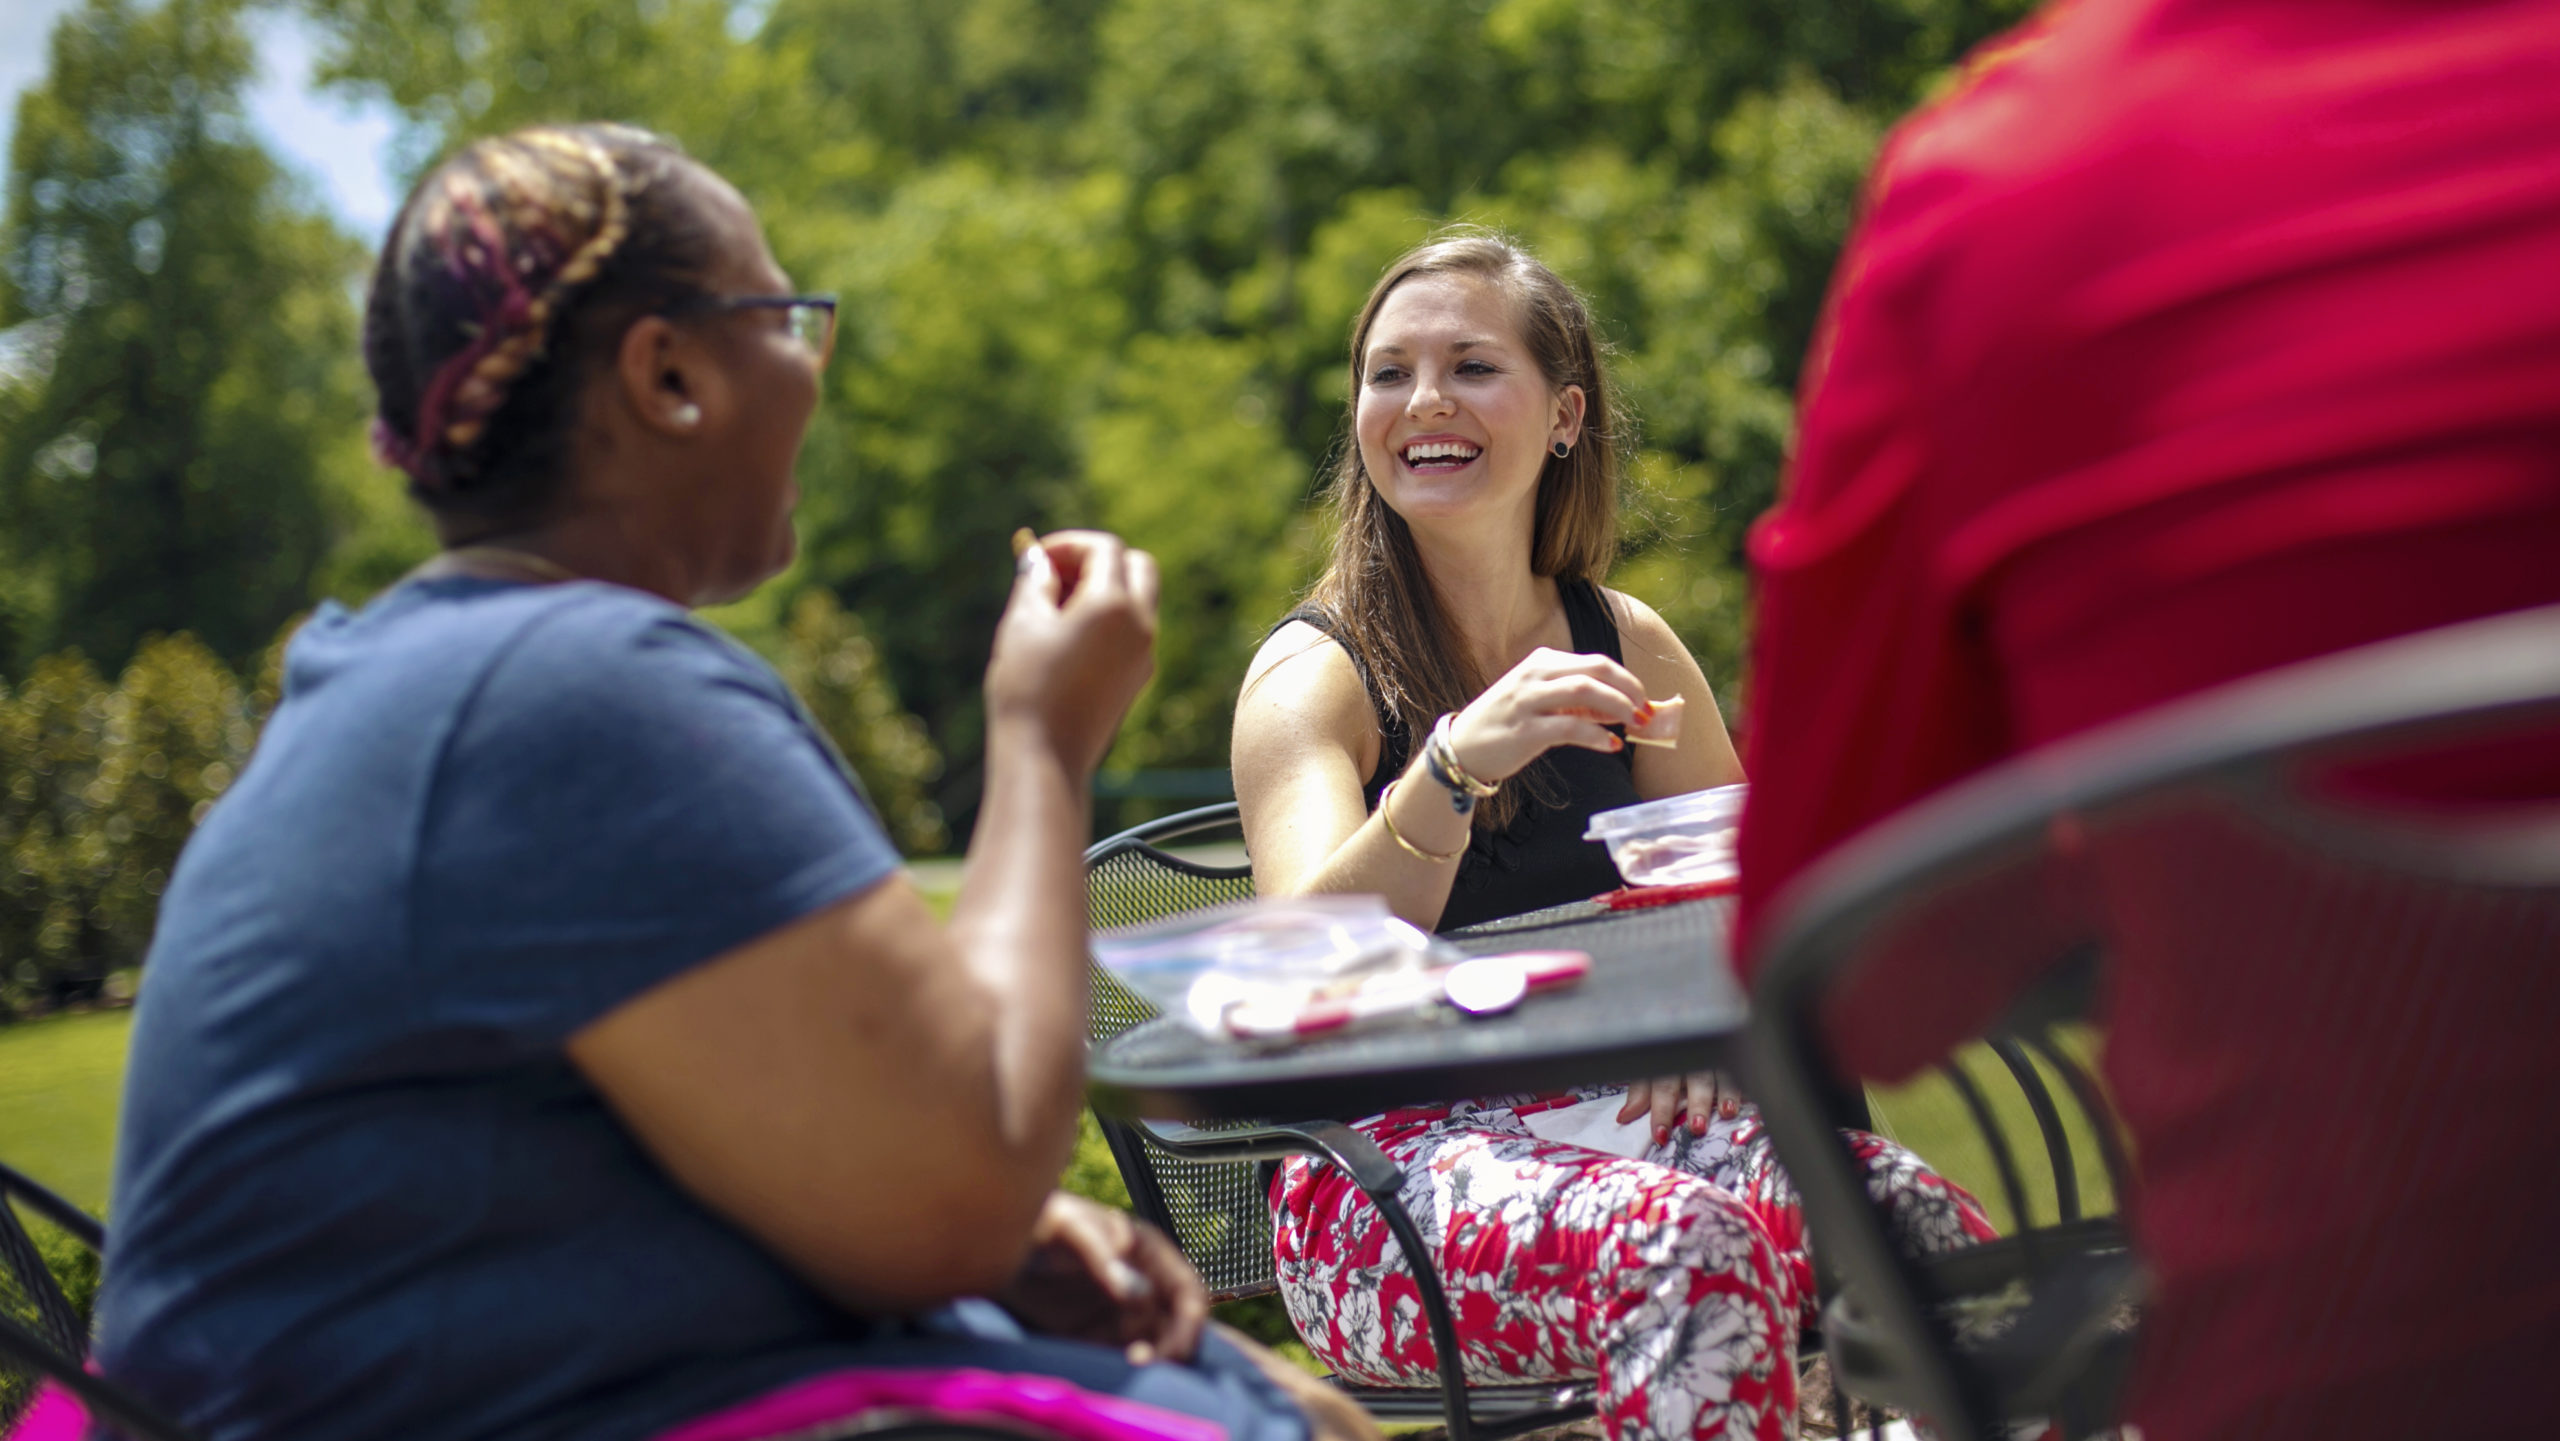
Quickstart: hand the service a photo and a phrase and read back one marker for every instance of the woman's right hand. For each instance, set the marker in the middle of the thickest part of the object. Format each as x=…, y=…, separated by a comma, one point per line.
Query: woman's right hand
x=1551, y=698
x=1076, y=643
x=1699, y=1098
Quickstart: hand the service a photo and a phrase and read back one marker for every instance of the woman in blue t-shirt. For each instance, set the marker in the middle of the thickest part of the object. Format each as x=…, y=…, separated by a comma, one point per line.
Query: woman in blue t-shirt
x=542, y=1039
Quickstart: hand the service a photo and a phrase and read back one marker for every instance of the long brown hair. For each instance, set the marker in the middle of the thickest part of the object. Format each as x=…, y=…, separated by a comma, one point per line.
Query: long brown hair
x=1374, y=590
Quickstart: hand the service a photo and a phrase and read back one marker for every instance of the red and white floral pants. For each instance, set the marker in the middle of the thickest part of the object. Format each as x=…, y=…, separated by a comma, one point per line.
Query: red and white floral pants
x=1677, y=1280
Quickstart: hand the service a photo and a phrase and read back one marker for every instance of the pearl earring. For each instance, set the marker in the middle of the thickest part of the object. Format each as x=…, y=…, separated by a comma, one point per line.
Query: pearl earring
x=1562, y=450
x=688, y=415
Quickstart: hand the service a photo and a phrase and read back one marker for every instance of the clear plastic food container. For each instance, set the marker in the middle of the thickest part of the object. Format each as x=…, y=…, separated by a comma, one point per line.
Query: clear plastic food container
x=1675, y=841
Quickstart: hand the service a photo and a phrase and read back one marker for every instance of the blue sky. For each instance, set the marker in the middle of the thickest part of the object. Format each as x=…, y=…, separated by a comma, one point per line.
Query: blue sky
x=337, y=149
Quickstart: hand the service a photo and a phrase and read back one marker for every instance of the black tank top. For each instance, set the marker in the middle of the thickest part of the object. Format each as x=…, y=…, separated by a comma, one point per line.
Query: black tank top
x=1540, y=859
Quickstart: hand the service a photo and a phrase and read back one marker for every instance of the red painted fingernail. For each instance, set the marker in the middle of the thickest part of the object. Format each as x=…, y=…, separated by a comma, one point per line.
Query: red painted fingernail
x=1617, y=743
x=1662, y=1135
x=1697, y=1125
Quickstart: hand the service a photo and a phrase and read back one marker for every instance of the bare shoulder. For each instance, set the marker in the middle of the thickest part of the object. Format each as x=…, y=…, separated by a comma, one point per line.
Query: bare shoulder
x=1305, y=741
x=1301, y=676
x=1302, y=694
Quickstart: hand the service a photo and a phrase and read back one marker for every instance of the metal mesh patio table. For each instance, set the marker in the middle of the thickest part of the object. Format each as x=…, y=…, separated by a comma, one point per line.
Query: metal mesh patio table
x=1661, y=997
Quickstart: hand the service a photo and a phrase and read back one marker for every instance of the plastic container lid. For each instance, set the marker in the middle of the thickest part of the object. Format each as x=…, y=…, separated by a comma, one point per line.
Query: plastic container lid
x=1696, y=811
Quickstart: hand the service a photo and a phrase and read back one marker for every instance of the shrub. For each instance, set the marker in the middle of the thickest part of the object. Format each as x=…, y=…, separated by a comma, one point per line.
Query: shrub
x=53, y=860
x=99, y=789
x=829, y=660
x=177, y=731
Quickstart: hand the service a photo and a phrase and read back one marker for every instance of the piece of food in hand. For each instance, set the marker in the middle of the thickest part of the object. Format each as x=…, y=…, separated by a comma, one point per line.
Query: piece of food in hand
x=1659, y=724
x=1030, y=556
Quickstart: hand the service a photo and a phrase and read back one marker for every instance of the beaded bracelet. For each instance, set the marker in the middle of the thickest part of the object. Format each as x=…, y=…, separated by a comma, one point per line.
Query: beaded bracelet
x=1461, y=800
x=1386, y=798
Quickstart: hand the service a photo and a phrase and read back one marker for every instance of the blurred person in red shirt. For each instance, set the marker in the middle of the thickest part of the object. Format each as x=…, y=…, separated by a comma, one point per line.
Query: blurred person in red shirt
x=2186, y=339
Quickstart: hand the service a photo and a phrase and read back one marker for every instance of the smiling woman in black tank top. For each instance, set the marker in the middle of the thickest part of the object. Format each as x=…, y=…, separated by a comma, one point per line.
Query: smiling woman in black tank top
x=1539, y=858
x=1477, y=495
x=1461, y=634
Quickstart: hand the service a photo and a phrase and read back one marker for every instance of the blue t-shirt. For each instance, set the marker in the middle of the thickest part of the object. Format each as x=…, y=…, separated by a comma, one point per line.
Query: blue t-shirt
x=360, y=1191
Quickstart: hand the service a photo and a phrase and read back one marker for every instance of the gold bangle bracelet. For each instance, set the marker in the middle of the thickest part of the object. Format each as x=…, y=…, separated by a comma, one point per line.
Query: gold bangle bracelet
x=1386, y=798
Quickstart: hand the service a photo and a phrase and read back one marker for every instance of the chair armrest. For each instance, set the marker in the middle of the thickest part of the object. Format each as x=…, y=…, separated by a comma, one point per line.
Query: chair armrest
x=1356, y=1154
x=29, y=1192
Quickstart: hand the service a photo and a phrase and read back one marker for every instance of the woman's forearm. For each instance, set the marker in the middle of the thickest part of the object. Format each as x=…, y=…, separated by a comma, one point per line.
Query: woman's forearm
x=1020, y=927
x=1413, y=865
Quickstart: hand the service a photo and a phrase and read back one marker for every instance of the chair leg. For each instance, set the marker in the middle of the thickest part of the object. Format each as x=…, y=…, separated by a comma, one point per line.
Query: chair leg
x=1380, y=1180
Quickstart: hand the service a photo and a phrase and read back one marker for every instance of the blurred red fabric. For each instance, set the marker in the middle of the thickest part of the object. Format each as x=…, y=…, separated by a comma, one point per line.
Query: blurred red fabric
x=2183, y=340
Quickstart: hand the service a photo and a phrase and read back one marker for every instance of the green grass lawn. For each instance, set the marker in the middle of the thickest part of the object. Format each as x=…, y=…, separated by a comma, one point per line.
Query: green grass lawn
x=1930, y=1117
x=59, y=1081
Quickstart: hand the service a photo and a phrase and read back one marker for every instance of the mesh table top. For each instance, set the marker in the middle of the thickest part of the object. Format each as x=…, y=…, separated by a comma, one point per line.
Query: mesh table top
x=1661, y=997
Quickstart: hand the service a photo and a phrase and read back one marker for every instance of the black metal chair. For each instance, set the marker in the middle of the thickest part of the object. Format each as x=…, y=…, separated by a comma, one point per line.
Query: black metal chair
x=1207, y=1187
x=2212, y=822
x=55, y=1348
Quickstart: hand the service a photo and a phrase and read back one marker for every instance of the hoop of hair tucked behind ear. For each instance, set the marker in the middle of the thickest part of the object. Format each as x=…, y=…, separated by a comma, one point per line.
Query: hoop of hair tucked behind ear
x=471, y=329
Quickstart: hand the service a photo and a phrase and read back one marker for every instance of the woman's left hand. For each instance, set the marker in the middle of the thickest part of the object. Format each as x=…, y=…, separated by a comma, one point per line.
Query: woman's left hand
x=1702, y=1096
x=1100, y=1275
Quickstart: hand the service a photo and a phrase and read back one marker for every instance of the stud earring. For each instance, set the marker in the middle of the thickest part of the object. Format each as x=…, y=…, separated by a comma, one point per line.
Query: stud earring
x=688, y=415
x=1562, y=450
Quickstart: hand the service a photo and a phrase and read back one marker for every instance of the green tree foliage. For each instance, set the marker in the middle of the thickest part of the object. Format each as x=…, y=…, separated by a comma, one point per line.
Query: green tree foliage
x=836, y=672
x=177, y=731
x=53, y=862
x=102, y=788
x=165, y=460
x=461, y=68
x=978, y=310
x=1098, y=258
x=924, y=82
x=1181, y=409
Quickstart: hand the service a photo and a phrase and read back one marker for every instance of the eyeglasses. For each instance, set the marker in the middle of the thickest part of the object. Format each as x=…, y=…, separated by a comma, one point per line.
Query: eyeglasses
x=811, y=318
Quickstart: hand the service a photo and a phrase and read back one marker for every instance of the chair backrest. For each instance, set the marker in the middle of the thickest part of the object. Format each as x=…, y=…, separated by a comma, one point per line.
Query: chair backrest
x=26, y=1273
x=2242, y=823
x=1216, y=1213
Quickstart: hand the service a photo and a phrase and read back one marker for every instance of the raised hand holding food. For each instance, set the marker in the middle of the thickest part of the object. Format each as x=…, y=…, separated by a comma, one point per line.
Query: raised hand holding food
x=1657, y=723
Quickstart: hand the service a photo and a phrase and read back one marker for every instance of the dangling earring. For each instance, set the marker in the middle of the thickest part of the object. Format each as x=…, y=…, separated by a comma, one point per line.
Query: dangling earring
x=688, y=415
x=1562, y=450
